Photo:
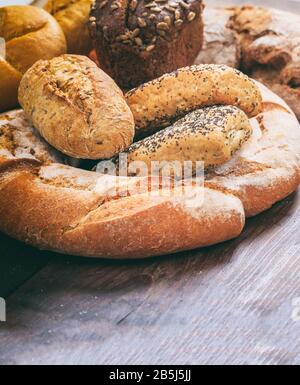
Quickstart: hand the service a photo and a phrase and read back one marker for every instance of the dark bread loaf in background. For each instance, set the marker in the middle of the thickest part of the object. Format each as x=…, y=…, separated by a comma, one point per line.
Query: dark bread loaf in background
x=137, y=41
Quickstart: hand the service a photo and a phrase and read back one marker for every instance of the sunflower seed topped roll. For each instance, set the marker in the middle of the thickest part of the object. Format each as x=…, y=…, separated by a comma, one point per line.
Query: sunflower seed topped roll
x=76, y=107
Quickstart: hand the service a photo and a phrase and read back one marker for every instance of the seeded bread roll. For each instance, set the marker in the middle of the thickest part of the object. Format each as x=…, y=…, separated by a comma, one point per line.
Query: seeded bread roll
x=76, y=107
x=60, y=208
x=29, y=34
x=210, y=135
x=73, y=18
x=137, y=41
x=161, y=101
x=56, y=207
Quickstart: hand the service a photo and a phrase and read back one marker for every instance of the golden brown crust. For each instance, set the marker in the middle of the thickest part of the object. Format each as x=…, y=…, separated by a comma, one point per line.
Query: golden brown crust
x=210, y=135
x=84, y=213
x=160, y=101
x=9, y=82
x=30, y=34
x=82, y=222
x=73, y=18
x=19, y=140
x=60, y=208
x=76, y=107
x=267, y=168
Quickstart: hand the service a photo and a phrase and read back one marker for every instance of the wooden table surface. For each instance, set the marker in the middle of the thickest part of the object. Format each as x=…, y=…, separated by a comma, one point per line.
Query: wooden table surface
x=232, y=303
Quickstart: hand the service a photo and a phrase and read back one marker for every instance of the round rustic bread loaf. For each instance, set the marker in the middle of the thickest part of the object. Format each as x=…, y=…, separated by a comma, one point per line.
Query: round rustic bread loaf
x=137, y=41
x=30, y=34
x=85, y=213
x=60, y=208
x=76, y=107
x=264, y=42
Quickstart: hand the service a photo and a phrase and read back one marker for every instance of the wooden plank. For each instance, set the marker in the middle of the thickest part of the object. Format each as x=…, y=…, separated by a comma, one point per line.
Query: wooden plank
x=232, y=303
x=17, y=263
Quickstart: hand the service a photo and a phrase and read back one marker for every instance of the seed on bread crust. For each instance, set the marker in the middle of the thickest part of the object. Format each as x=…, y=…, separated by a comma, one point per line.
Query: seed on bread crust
x=163, y=100
x=174, y=12
x=175, y=26
x=77, y=107
x=210, y=135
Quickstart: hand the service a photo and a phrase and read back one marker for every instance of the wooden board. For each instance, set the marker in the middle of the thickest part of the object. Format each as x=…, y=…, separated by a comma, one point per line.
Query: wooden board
x=233, y=303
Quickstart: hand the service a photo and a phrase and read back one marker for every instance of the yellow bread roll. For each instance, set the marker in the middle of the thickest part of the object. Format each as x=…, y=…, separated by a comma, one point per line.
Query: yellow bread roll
x=30, y=34
x=73, y=18
x=77, y=107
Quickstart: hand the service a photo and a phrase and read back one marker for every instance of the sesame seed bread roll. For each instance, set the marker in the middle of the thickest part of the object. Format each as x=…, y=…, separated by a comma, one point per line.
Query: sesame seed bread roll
x=77, y=108
x=161, y=101
x=211, y=135
x=140, y=40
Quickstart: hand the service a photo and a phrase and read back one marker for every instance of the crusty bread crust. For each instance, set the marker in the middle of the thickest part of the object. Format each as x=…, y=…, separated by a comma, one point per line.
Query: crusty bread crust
x=30, y=34
x=137, y=41
x=73, y=18
x=267, y=168
x=220, y=43
x=61, y=215
x=263, y=42
x=161, y=100
x=60, y=208
x=210, y=135
x=76, y=107
x=57, y=207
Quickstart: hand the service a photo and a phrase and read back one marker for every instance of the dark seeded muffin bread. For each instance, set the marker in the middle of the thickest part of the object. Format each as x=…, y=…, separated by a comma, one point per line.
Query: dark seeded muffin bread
x=139, y=40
